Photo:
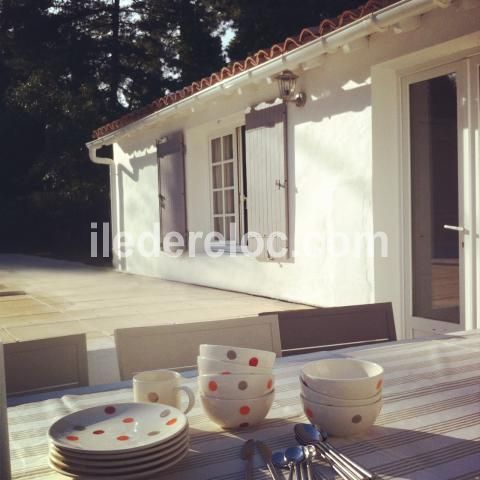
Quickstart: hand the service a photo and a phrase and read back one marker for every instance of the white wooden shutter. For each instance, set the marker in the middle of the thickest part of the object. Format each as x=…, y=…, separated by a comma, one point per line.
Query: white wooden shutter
x=267, y=182
x=171, y=185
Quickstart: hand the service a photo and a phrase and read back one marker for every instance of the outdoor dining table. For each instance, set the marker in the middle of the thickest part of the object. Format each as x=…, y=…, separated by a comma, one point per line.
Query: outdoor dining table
x=429, y=427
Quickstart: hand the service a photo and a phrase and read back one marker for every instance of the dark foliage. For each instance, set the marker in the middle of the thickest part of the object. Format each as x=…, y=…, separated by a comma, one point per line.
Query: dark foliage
x=260, y=24
x=67, y=67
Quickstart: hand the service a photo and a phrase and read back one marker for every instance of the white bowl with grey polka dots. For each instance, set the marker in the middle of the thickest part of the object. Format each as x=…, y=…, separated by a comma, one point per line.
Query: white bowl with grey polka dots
x=341, y=421
x=337, y=402
x=347, y=378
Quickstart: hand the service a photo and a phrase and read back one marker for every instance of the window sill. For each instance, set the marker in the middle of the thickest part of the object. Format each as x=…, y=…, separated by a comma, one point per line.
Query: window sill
x=228, y=249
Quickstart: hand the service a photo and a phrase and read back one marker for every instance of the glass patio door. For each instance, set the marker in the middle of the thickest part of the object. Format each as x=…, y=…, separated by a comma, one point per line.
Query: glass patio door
x=440, y=199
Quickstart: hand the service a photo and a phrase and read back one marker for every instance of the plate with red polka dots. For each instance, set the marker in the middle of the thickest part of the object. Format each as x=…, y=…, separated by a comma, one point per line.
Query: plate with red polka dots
x=85, y=458
x=121, y=467
x=142, y=472
x=122, y=427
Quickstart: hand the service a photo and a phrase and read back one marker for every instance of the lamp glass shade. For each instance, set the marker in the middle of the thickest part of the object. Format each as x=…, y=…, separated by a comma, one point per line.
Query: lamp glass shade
x=287, y=81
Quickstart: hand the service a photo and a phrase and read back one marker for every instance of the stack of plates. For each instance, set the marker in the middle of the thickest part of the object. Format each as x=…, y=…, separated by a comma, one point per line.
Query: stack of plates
x=123, y=441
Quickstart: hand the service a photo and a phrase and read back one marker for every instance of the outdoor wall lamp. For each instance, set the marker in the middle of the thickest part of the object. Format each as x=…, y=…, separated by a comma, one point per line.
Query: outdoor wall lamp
x=287, y=82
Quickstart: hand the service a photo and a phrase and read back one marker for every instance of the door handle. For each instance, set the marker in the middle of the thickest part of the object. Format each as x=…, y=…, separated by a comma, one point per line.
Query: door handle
x=454, y=227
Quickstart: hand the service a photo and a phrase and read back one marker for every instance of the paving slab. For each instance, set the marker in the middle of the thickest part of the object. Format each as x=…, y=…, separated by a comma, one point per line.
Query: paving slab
x=63, y=298
x=26, y=306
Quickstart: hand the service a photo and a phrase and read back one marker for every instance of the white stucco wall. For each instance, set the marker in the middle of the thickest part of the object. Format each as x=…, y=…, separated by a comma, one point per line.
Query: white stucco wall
x=332, y=172
x=330, y=191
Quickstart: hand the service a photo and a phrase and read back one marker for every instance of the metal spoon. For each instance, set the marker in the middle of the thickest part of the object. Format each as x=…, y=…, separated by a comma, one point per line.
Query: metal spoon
x=296, y=456
x=281, y=462
x=290, y=465
x=266, y=455
x=310, y=455
x=307, y=463
x=307, y=434
x=353, y=464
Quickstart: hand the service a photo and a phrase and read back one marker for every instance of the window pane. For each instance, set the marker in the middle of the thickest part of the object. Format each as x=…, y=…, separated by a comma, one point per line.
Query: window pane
x=230, y=232
x=218, y=224
x=228, y=171
x=216, y=150
x=217, y=202
x=227, y=147
x=217, y=176
x=229, y=201
x=434, y=159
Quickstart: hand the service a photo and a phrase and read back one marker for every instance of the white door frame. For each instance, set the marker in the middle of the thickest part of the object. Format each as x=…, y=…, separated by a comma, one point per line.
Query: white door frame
x=473, y=64
x=472, y=182
x=466, y=198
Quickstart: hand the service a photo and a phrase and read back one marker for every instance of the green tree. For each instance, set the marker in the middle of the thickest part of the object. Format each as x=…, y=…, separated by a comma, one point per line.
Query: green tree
x=261, y=24
x=68, y=66
x=47, y=106
x=180, y=39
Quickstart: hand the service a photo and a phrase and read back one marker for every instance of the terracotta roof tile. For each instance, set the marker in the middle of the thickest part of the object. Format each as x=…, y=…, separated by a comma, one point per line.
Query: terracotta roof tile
x=290, y=43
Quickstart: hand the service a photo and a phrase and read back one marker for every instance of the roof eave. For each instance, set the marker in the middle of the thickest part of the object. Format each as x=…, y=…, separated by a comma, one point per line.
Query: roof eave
x=298, y=58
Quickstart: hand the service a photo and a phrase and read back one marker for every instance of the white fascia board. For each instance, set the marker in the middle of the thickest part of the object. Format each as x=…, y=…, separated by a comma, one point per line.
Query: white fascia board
x=331, y=42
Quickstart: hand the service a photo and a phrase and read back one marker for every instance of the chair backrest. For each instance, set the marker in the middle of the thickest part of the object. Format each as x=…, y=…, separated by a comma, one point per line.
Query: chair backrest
x=5, y=473
x=303, y=331
x=46, y=364
x=176, y=345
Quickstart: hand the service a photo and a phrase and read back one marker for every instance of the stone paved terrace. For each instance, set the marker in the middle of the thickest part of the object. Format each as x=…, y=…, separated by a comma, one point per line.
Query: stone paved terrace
x=63, y=298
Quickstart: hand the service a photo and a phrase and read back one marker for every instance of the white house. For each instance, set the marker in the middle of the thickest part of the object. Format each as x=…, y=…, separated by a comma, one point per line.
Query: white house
x=386, y=148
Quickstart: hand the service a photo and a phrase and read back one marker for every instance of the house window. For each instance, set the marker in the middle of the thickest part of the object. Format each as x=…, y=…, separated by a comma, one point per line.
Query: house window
x=249, y=184
x=228, y=180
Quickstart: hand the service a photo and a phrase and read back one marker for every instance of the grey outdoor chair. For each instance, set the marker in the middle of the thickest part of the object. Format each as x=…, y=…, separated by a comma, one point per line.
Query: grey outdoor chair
x=45, y=365
x=5, y=473
x=176, y=345
x=311, y=330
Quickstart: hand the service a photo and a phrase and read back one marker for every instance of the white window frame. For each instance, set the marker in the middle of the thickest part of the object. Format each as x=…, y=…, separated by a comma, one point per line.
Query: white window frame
x=239, y=198
x=242, y=198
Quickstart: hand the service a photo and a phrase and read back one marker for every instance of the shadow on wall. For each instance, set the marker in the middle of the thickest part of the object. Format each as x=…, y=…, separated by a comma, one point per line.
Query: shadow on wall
x=337, y=91
x=348, y=96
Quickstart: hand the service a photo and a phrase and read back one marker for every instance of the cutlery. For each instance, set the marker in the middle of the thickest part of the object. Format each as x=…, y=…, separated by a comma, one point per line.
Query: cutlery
x=307, y=434
x=295, y=456
x=362, y=470
x=310, y=453
x=280, y=461
x=305, y=437
x=246, y=454
x=306, y=465
x=266, y=455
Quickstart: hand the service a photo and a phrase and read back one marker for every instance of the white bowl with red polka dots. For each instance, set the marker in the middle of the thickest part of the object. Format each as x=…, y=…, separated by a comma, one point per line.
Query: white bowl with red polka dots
x=236, y=385
x=341, y=421
x=122, y=427
x=212, y=366
x=238, y=413
x=248, y=357
x=339, y=402
x=346, y=378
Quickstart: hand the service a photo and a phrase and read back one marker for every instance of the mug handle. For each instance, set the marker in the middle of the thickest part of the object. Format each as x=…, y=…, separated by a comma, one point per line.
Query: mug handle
x=190, y=395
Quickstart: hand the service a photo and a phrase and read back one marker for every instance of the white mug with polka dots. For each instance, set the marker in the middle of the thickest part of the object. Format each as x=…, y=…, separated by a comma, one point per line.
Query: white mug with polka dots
x=161, y=386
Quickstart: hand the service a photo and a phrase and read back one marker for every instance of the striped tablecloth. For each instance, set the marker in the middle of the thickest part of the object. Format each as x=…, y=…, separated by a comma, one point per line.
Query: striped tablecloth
x=429, y=427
